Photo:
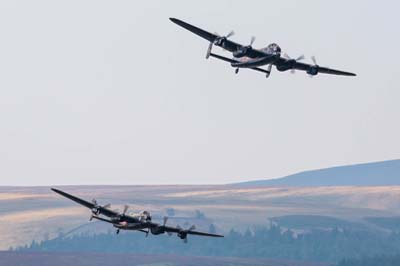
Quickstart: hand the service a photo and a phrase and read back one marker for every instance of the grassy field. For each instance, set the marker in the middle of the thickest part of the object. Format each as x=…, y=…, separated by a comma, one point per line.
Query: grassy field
x=37, y=213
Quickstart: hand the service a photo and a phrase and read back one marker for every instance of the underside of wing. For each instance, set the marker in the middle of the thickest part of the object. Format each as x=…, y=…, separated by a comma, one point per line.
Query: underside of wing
x=87, y=204
x=200, y=32
x=226, y=44
x=326, y=70
x=203, y=234
x=172, y=229
x=76, y=199
x=315, y=69
x=189, y=232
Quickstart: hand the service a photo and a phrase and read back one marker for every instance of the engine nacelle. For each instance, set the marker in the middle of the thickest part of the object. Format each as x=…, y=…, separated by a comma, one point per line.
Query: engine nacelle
x=313, y=70
x=242, y=52
x=95, y=211
x=220, y=41
x=286, y=66
x=182, y=234
x=157, y=230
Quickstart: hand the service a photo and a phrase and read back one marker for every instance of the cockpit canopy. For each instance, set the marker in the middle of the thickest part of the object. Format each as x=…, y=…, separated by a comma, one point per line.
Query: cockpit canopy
x=273, y=48
x=145, y=215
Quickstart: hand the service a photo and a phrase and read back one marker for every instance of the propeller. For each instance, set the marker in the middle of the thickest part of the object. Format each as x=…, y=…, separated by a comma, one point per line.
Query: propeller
x=126, y=207
x=230, y=34
x=96, y=208
x=94, y=201
x=165, y=219
x=314, y=60
x=218, y=41
x=301, y=57
x=249, y=47
x=269, y=69
x=209, y=50
x=119, y=216
x=244, y=50
x=313, y=69
x=182, y=234
x=286, y=56
x=185, y=240
x=252, y=40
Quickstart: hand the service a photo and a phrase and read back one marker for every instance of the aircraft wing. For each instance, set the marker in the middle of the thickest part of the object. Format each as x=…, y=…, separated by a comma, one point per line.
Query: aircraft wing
x=189, y=232
x=331, y=71
x=324, y=70
x=227, y=45
x=87, y=204
x=203, y=234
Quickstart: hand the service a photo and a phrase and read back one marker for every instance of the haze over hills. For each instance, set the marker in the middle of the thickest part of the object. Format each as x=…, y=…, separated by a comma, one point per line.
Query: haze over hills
x=385, y=173
x=348, y=193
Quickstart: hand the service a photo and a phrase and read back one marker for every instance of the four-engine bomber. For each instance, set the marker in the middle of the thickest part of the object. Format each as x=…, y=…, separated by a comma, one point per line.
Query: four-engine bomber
x=140, y=222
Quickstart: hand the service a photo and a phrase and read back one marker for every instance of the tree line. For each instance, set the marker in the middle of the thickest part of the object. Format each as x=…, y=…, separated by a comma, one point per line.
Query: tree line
x=260, y=242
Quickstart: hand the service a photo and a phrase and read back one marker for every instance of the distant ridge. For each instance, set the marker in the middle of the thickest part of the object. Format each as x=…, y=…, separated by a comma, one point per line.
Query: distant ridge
x=386, y=173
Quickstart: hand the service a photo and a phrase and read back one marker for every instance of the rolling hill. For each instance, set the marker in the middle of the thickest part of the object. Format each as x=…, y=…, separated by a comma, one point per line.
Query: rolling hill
x=348, y=193
x=28, y=213
x=386, y=173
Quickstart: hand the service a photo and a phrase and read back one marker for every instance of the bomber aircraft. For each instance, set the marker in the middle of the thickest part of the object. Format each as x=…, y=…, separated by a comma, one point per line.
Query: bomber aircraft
x=141, y=222
x=245, y=56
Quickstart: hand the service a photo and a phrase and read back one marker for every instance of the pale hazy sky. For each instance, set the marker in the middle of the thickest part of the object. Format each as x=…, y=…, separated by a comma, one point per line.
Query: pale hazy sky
x=112, y=92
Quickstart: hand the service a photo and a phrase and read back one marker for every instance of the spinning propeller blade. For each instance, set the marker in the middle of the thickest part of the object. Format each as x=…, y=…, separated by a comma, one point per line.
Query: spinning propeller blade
x=230, y=34
x=209, y=50
x=126, y=207
x=252, y=40
x=217, y=40
x=193, y=227
x=314, y=60
x=286, y=56
x=315, y=64
x=299, y=58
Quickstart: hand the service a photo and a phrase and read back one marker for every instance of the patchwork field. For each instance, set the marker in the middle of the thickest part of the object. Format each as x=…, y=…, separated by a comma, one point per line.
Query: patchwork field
x=38, y=213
